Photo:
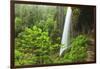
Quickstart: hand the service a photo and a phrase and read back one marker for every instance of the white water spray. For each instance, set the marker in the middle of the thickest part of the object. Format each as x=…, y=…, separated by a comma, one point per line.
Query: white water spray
x=65, y=37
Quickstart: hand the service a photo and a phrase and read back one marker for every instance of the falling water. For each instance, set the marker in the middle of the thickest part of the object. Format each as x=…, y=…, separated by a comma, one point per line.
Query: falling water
x=65, y=37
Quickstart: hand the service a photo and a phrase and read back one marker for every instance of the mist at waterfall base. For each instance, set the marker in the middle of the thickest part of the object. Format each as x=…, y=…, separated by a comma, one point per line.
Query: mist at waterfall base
x=65, y=35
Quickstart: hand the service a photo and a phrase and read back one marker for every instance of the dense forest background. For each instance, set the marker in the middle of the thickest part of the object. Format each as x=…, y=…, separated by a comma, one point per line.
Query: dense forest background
x=38, y=32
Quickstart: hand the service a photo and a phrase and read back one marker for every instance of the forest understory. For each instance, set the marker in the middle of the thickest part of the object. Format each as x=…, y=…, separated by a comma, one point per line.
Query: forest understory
x=39, y=30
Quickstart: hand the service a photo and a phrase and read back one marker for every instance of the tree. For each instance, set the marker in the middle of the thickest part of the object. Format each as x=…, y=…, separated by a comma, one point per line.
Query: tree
x=36, y=43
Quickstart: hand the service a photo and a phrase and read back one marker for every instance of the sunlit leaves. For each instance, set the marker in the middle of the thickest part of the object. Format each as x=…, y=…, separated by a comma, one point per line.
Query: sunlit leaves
x=37, y=42
x=78, y=49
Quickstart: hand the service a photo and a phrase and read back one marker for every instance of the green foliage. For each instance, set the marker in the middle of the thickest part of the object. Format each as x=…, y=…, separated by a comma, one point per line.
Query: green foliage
x=38, y=36
x=18, y=25
x=78, y=50
x=47, y=25
x=36, y=42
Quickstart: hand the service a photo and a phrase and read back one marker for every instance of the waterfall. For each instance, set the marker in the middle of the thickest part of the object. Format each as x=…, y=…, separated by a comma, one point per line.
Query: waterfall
x=65, y=35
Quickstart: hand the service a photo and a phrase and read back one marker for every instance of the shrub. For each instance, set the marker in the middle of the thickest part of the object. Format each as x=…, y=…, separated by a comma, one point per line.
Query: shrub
x=35, y=45
x=78, y=50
